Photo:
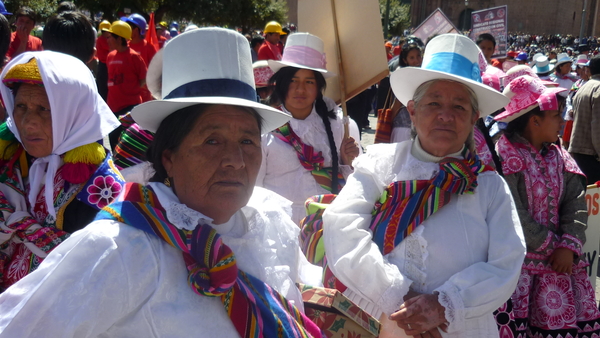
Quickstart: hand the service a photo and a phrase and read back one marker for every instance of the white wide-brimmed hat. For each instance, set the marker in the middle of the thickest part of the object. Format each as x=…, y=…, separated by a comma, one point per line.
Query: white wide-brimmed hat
x=448, y=57
x=303, y=50
x=206, y=65
x=542, y=65
x=562, y=58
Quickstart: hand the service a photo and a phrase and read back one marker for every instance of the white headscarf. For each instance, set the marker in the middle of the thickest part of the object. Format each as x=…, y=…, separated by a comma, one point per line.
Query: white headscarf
x=79, y=114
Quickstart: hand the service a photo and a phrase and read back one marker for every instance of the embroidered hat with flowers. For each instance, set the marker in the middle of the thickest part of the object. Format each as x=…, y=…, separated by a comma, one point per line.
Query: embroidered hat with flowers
x=526, y=93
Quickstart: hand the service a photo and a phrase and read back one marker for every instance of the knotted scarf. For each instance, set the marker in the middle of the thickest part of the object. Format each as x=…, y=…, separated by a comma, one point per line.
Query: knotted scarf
x=404, y=205
x=309, y=159
x=255, y=309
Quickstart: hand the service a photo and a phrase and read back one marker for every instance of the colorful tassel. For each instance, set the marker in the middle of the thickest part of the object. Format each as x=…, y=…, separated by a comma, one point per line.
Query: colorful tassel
x=82, y=162
x=92, y=153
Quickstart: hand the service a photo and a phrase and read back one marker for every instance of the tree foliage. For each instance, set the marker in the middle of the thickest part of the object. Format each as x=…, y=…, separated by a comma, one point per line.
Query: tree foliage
x=399, y=18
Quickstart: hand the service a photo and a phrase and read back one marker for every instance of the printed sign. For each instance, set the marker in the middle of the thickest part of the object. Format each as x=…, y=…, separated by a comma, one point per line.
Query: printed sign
x=592, y=234
x=493, y=21
x=436, y=23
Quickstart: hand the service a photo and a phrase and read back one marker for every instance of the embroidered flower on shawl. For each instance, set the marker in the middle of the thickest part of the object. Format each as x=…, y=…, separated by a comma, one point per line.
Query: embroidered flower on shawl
x=103, y=191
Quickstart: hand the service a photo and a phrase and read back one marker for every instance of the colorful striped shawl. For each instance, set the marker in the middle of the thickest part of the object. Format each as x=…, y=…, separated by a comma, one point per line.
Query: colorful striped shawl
x=404, y=205
x=255, y=309
x=309, y=159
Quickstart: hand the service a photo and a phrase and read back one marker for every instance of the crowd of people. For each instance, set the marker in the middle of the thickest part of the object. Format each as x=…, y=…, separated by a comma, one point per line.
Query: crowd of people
x=140, y=183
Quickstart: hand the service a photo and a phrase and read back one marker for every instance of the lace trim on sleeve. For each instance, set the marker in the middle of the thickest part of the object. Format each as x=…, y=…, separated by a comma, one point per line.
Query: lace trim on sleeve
x=450, y=299
x=393, y=297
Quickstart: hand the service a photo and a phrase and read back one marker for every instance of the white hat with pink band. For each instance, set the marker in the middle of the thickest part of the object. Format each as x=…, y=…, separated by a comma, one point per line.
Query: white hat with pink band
x=526, y=93
x=303, y=50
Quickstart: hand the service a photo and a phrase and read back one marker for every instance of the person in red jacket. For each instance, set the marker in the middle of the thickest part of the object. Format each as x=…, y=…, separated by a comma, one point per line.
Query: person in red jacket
x=139, y=44
x=126, y=74
x=269, y=50
x=102, y=51
x=21, y=40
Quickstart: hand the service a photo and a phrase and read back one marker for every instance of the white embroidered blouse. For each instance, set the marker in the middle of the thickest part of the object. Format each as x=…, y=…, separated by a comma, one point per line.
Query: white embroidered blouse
x=470, y=251
x=282, y=172
x=112, y=280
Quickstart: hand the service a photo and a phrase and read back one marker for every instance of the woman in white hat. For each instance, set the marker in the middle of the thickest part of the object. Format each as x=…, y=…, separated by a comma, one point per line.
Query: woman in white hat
x=309, y=155
x=198, y=251
x=562, y=73
x=554, y=297
x=424, y=233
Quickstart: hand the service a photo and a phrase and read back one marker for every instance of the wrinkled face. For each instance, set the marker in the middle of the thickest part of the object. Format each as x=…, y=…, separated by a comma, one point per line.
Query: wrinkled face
x=302, y=93
x=443, y=118
x=33, y=119
x=26, y=23
x=549, y=126
x=414, y=58
x=487, y=47
x=214, y=169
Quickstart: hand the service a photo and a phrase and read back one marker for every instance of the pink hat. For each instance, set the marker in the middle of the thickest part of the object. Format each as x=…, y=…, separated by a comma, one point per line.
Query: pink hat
x=490, y=75
x=303, y=50
x=262, y=73
x=526, y=93
x=521, y=70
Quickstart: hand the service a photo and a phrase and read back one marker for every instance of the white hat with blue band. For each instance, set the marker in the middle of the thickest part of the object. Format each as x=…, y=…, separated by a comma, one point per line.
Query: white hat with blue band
x=204, y=66
x=451, y=57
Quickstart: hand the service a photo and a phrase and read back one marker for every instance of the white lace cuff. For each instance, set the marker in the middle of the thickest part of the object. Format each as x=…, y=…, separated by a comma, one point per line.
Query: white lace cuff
x=393, y=297
x=346, y=170
x=451, y=300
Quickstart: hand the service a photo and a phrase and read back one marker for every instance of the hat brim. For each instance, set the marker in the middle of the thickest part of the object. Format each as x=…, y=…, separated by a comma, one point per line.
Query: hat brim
x=537, y=70
x=277, y=65
x=405, y=81
x=149, y=115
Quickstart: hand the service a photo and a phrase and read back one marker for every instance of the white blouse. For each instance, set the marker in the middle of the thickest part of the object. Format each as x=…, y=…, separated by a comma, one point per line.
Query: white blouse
x=282, y=172
x=470, y=251
x=112, y=280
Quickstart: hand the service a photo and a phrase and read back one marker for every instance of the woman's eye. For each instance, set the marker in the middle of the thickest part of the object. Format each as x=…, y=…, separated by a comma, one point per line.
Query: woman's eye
x=211, y=141
x=248, y=141
x=433, y=103
x=459, y=107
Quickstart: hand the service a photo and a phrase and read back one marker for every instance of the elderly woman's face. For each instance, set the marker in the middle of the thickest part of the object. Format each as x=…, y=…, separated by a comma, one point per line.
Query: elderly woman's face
x=443, y=118
x=215, y=167
x=33, y=119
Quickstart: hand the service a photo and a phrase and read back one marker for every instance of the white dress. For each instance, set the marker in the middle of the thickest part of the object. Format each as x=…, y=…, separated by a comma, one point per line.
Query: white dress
x=112, y=280
x=470, y=251
x=282, y=172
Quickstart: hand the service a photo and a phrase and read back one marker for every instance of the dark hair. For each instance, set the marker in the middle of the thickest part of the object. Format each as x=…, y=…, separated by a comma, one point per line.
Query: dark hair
x=595, y=65
x=285, y=30
x=123, y=40
x=70, y=33
x=4, y=38
x=66, y=6
x=26, y=11
x=407, y=48
x=484, y=37
x=256, y=40
x=173, y=130
x=518, y=125
x=282, y=80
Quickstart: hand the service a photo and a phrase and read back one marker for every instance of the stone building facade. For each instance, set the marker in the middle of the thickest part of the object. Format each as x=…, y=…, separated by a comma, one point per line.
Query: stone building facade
x=526, y=16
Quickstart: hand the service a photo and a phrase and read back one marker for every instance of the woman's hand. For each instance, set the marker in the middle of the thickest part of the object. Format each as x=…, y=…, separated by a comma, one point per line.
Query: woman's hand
x=562, y=260
x=420, y=316
x=349, y=150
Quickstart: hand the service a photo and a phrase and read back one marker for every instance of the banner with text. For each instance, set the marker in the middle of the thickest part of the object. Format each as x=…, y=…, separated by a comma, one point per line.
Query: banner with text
x=493, y=21
x=592, y=243
x=436, y=23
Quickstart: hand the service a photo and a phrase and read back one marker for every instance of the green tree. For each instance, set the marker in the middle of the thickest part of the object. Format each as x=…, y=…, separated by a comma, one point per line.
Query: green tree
x=399, y=18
